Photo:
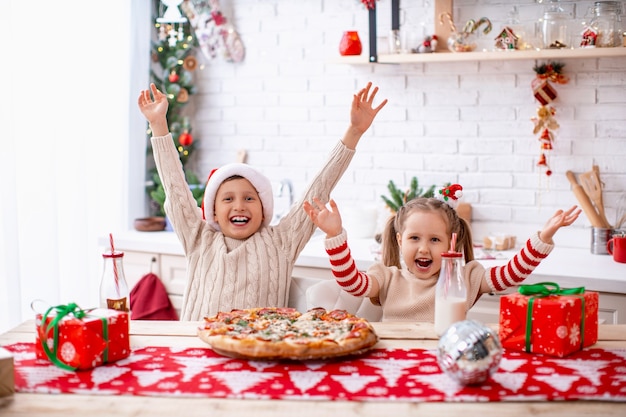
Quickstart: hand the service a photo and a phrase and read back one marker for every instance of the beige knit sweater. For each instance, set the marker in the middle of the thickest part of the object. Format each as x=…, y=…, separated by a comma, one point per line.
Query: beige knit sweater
x=407, y=298
x=225, y=273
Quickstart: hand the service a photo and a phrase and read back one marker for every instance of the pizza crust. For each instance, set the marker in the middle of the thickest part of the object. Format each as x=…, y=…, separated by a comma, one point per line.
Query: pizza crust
x=271, y=338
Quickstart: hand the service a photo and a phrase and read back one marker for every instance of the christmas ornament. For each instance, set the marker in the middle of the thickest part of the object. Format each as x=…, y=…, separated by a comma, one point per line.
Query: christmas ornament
x=190, y=63
x=507, y=39
x=216, y=35
x=469, y=352
x=182, y=96
x=428, y=45
x=551, y=71
x=173, y=77
x=545, y=120
x=545, y=94
x=369, y=4
x=589, y=38
x=185, y=139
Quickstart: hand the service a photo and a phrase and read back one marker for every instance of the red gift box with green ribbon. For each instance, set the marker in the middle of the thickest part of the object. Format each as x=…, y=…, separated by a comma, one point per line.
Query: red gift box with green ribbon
x=543, y=318
x=76, y=339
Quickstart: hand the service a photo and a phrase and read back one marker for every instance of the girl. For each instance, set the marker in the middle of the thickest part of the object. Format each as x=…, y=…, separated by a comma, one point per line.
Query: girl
x=421, y=231
x=235, y=259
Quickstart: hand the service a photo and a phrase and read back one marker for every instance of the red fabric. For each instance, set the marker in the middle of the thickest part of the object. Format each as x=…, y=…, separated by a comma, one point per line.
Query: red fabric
x=556, y=325
x=411, y=375
x=149, y=300
x=81, y=343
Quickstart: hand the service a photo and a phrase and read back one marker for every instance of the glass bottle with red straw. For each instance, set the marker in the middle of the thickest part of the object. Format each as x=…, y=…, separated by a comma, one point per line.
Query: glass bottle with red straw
x=114, y=292
x=450, y=292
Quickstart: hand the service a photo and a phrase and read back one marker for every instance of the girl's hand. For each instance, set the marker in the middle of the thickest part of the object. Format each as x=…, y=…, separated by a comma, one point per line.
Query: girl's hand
x=328, y=220
x=559, y=219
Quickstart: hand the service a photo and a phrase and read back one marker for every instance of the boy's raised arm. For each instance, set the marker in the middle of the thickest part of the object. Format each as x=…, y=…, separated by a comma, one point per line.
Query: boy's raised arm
x=362, y=114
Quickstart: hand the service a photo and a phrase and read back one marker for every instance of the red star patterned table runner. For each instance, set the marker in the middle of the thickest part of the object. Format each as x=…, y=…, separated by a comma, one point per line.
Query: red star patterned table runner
x=411, y=375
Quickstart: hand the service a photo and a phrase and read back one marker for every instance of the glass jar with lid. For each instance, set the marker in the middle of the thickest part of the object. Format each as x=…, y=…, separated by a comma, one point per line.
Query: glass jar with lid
x=555, y=26
x=606, y=23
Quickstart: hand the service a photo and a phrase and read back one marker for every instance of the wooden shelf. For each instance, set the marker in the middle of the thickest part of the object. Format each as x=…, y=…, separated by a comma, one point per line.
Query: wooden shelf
x=443, y=55
x=554, y=54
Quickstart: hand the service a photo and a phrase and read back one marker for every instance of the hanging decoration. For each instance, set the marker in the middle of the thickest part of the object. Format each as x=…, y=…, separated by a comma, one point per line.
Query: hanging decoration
x=216, y=35
x=545, y=122
x=369, y=4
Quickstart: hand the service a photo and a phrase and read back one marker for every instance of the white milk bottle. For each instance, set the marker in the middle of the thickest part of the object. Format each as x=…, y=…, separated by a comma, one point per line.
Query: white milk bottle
x=450, y=293
x=114, y=293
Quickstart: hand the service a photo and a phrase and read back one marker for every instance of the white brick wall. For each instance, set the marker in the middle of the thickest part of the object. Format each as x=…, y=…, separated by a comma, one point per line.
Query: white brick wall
x=288, y=103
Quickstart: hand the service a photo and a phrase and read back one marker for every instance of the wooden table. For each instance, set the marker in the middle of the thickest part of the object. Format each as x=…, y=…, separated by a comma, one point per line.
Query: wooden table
x=182, y=334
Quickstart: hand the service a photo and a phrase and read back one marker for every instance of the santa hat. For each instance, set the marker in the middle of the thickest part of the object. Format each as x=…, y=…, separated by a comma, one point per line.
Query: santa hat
x=259, y=181
x=450, y=195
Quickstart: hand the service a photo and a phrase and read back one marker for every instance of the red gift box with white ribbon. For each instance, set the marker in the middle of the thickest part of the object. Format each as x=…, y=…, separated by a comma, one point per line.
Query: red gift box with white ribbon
x=546, y=319
x=543, y=91
x=76, y=339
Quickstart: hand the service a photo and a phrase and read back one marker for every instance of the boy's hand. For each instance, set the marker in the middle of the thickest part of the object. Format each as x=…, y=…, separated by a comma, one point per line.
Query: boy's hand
x=329, y=221
x=153, y=105
x=362, y=113
x=559, y=219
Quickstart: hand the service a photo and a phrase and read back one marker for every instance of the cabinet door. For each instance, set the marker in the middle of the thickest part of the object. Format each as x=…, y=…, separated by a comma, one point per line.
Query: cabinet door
x=174, y=277
x=612, y=308
x=138, y=264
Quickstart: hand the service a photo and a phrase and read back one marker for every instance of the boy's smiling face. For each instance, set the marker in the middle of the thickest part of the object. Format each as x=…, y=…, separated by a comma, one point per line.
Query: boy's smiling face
x=238, y=208
x=424, y=239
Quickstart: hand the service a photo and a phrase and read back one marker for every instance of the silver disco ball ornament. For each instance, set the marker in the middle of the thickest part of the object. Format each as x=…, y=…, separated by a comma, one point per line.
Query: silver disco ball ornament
x=469, y=352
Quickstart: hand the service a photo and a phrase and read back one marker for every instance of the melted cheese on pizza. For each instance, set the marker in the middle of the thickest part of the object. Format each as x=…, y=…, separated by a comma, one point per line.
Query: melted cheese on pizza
x=283, y=324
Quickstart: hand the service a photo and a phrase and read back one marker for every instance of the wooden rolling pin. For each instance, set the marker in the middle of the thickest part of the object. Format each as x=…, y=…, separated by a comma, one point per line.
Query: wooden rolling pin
x=584, y=201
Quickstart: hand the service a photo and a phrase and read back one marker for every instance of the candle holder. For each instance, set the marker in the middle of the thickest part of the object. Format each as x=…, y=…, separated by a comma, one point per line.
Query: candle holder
x=350, y=44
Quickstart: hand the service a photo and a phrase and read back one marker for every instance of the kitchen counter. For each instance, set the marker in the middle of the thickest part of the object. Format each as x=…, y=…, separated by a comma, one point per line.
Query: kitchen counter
x=569, y=267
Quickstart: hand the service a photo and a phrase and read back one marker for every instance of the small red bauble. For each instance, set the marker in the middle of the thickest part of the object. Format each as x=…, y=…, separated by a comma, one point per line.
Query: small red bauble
x=185, y=139
x=173, y=77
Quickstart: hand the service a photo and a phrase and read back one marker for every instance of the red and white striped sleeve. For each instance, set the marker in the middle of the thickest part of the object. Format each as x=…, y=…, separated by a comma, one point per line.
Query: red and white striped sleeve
x=520, y=266
x=344, y=269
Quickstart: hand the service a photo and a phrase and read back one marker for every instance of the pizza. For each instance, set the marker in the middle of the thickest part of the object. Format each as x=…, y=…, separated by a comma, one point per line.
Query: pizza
x=273, y=333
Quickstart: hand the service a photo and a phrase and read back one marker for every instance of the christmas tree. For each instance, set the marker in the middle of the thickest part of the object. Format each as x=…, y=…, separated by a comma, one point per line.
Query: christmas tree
x=173, y=64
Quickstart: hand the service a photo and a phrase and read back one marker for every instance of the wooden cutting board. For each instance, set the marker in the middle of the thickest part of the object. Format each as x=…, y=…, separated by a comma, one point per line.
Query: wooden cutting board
x=583, y=200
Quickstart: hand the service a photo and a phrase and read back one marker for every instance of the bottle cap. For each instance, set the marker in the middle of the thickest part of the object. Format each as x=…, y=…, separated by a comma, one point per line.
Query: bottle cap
x=116, y=254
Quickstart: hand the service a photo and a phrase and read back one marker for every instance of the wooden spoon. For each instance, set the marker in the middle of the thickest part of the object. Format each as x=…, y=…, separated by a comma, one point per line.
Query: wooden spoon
x=584, y=201
x=590, y=182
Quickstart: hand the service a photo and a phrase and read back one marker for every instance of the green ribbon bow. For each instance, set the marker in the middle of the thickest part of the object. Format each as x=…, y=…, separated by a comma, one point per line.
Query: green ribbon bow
x=63, y=311
x=543, y=289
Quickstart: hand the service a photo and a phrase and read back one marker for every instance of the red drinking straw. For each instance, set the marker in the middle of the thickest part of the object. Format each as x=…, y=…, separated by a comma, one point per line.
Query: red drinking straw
x=448, y=277
x=453, y=243
x=117, y=285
